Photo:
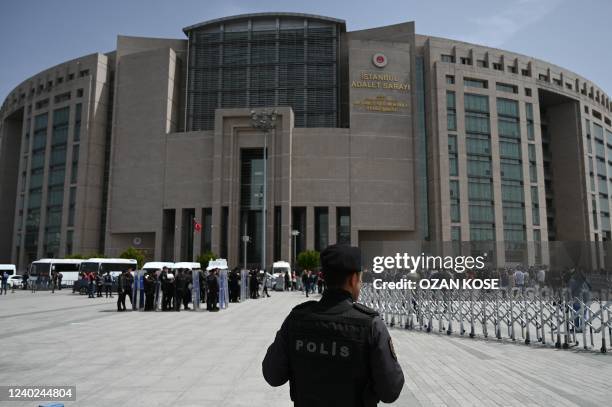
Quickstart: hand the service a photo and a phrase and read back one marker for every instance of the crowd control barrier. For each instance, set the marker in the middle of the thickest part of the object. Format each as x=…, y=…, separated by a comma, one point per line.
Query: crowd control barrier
x=556, y=318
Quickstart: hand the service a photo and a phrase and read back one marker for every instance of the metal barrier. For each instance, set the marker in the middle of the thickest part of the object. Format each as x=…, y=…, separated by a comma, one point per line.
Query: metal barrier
x=531, y=315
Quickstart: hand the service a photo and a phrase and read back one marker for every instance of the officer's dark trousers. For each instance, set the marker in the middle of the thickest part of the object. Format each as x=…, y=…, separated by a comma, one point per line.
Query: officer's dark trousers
x=121, y=301
x=149, y=298
x=108, y=291
x=211, y=301
x=186, y=298
x=166, y=301
x=178, y=299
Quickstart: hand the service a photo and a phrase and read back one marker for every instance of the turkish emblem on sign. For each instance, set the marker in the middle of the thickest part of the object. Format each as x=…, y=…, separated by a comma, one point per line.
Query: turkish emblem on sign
x=379, y=60
x=197, y=226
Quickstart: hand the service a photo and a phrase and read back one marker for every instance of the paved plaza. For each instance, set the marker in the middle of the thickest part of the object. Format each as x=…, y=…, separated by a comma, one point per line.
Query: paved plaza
x=214, y=359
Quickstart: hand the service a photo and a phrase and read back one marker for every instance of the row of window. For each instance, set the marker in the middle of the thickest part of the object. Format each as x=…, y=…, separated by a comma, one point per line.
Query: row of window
x=591, y=92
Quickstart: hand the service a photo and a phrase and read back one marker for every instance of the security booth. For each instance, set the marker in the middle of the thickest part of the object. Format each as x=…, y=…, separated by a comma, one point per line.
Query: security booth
x=221, y=265
x=157, y=267
x=197, y=277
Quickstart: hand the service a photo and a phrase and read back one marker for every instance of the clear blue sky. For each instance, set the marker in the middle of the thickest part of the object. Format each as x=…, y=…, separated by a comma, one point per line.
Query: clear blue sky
x=573, y=34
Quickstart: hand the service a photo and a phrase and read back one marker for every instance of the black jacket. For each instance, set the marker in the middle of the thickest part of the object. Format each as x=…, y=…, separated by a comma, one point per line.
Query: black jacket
x=334, y=353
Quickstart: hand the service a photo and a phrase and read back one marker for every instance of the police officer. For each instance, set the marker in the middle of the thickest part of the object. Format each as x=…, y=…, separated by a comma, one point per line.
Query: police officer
x=149, y=288
x=212, y=295
x=335, y=352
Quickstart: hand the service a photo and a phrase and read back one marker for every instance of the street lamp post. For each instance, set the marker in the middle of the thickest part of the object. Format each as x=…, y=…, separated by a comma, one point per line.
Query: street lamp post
x=265, y=121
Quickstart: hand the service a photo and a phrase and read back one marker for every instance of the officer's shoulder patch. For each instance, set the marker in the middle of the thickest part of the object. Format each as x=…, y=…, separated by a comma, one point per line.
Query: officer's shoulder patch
x=304, y=305
x=364, y=309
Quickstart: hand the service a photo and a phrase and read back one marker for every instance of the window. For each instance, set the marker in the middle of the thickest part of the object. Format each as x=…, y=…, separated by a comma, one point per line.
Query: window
x=530, y=125
x=70, y=76
x=447, y=58
x=456, y=233
x=452, y=155
x=557, y=82
x=504, y=87
x=475, y=83
x=83, y=73
x=343, y=225
x=527, y=91
x=466, y=61
x=568, y=85
x=482, y=232
x=533, y=169
x=512, y=69
x=454, y=201
x=77, y=122
x=498, y=66
x=481, y=213
x=451, y=111
x=42, y=104
x=75, y=164
x=543, y=77
x=525, y=72
x=321, y=228
x=535, y=206
x=482, y=63
x=450, y=79
x=80, y=93
x=62, y=98
x=480, y=190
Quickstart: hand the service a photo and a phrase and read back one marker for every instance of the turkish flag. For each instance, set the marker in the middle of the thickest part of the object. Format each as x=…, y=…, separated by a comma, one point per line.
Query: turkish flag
x=196, y=226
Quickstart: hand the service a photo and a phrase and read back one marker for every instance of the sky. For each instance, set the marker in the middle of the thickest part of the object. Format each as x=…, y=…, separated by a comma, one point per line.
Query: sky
x=38, y=34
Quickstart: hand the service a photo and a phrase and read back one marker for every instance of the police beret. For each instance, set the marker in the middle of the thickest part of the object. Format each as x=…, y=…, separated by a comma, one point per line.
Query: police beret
x=341, y=259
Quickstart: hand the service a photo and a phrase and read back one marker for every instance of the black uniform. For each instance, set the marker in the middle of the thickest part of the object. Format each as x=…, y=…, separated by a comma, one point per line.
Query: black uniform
x=212, y=295
x=149, y=289
x=334, y=353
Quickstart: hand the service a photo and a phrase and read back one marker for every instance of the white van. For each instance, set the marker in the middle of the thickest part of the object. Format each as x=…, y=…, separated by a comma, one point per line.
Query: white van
x=187, y=265
x=279, y=268
x=42, y=269
x=158, y=265
x=102, y=265
x=9, y=268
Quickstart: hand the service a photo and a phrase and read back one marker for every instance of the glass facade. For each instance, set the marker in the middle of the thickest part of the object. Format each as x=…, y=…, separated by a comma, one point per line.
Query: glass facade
x=511, y=169
x=480, y=181
x=55, y=191
x=343, y=225
x=37, y=164
x=251, y=202
x=265, y=62
x=321, y=228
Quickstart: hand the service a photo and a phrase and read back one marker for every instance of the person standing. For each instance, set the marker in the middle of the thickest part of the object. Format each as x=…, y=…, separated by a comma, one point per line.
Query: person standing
x=335, y=352
x=293, y=281
x=287, y=281
x=124, y=287
x=108, y=285
x=266, y=278
x=149, y=289
x=5, y=277
x=53, y=281
x=60, y=276
x=212, y=295
x=91, y=283
x=305, y=282
x=180, y=290
x=99, y=285
x=24, y=280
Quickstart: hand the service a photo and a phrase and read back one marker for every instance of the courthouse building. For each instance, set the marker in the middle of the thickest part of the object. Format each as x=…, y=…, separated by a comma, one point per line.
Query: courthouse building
x=381, y=136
